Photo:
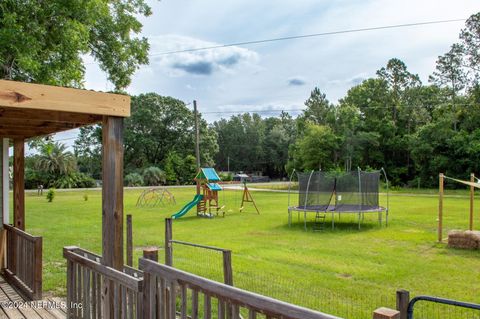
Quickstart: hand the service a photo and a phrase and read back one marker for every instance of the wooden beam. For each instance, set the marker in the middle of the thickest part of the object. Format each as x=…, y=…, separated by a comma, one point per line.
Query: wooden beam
x=19, y=183
x=17, y=133
x=45, y=97
x=112, y=192
x=50, y=116
x=32, y=124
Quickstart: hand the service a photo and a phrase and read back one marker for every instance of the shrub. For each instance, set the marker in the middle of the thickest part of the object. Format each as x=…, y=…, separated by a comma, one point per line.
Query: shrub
x=226, y=177
x=51, y=195
x=154, y=176
x=74, y=180
x=133, y=179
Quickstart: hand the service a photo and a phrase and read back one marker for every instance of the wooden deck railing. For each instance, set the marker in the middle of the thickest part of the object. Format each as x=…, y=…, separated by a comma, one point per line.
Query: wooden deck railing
x=86, y=276
x=24, y=262
x=170, y=293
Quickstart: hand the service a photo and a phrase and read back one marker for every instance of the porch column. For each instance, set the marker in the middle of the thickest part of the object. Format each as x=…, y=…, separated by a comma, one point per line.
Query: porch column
x=5, y=181
x=4, y=187
x=19, y=183
x=112, y=192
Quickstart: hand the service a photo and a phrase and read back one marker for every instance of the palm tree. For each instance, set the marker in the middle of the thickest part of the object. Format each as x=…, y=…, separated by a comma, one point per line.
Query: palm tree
x=55, y=160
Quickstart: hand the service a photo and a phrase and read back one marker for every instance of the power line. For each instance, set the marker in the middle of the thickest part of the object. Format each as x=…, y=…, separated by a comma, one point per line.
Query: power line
x=252, y=111
x=394, y=26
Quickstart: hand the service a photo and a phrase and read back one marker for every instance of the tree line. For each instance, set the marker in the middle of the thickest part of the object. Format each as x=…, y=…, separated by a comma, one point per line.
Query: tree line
x=392, y=120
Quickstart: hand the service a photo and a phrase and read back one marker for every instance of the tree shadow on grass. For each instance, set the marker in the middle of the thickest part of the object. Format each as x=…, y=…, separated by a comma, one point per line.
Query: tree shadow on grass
x=341, y=226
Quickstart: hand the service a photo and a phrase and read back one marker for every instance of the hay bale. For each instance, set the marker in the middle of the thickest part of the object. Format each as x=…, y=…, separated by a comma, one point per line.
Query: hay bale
x=464, y=239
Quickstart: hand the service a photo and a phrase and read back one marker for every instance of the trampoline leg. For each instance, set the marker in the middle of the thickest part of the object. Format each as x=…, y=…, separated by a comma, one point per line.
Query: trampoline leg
x=305, y=220
x=289, y=218
x=359, y=219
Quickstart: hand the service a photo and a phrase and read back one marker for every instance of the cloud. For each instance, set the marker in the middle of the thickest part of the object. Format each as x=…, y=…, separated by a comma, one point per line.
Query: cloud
x=200, y=67
x=296, y=81
x=204, y=62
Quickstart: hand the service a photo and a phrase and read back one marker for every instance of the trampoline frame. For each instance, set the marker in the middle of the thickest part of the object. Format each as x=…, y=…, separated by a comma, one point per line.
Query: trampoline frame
x=326, y=209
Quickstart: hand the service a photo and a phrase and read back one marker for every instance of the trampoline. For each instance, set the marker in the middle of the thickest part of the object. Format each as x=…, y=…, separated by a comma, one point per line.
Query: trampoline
x=330, y=193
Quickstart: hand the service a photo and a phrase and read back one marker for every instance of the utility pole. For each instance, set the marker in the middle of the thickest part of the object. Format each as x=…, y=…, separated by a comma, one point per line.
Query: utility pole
x=228, y=164
x=197, y=152
x=197, y=134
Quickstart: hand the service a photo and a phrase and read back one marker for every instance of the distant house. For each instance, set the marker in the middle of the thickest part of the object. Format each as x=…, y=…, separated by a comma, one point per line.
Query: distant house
x=241, y=178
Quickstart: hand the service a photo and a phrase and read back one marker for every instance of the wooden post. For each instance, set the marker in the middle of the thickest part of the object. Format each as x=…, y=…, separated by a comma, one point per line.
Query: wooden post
x=151, y=253
x=112, y=192
x=440, y=207
x=4, y=188
x=403, y=298
x=227, y=267
x=386, y=313
x=5, y=181
x=472, y=199
x=112, y=205
x=129, y=241
x=19, y=183
x=168, y=242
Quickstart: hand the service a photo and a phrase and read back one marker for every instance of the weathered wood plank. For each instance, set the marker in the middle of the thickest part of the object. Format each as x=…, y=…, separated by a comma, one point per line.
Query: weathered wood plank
x=235, y=296
x=20, y=133
x=207, y=307
x=112, y=200
x=112, y=274
x=194, y=304
x=112, y=192
x=37, y=256
x=11, y=312
x=19, y=183
x=149, y=296
x=129, y=241
x=70, y=287
x=45, y=97
x=183, y=310
x=172, y=298
x=8, y=114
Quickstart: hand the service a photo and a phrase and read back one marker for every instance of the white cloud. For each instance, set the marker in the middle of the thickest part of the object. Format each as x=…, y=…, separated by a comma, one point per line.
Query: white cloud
x=203, y=62
x=296, y=81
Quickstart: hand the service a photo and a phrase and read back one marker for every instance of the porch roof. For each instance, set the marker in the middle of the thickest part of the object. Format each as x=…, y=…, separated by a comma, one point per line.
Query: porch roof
x=28, y=110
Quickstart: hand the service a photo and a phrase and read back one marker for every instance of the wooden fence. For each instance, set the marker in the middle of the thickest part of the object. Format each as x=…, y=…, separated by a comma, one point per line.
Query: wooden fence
x=86, y=280
x=24, y=262
x=166, y=287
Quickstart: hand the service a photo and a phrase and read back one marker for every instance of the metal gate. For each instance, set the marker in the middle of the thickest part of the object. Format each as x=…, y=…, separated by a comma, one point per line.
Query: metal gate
x=454, y=303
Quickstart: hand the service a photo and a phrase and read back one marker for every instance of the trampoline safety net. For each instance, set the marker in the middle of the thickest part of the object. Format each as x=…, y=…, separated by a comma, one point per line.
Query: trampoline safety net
x=339, y=191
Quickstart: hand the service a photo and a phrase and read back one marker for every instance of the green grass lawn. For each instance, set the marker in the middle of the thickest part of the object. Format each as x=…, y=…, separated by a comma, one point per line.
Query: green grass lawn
x=346, y=271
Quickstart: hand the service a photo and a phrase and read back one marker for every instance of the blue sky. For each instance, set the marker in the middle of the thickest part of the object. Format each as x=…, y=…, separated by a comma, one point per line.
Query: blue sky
x=280, y=75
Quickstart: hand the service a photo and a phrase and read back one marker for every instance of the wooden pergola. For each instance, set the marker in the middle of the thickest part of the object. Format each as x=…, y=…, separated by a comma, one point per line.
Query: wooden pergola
x=31, y=110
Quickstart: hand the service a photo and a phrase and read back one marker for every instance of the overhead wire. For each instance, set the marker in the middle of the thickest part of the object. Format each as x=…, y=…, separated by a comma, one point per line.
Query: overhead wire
x=303, y=36
x=403, y=25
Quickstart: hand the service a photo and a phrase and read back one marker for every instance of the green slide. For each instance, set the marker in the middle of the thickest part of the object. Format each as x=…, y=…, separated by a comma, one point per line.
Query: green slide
x=187, y=207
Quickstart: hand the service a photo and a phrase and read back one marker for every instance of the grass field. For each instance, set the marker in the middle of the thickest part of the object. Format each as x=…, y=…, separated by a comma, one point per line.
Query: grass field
x=346, y=271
